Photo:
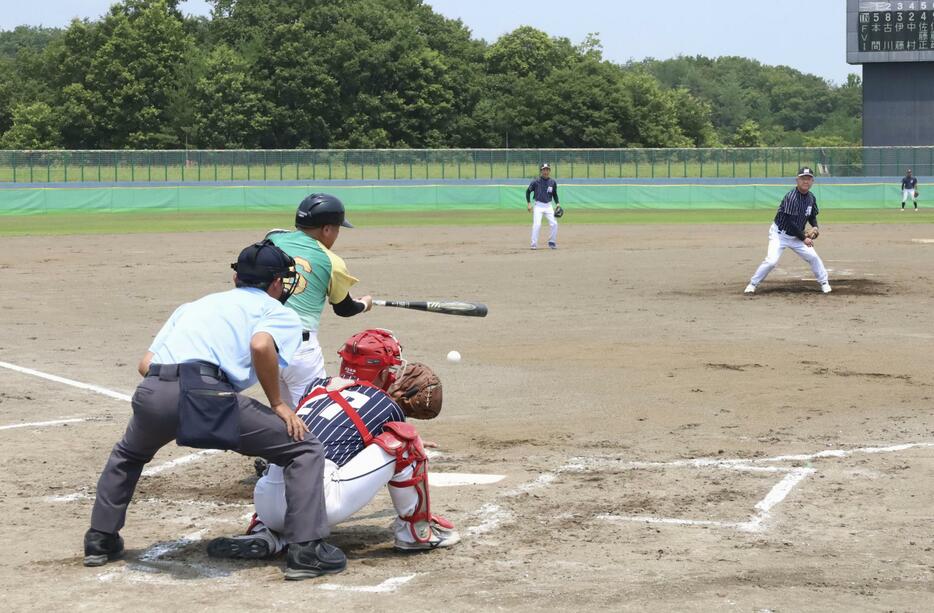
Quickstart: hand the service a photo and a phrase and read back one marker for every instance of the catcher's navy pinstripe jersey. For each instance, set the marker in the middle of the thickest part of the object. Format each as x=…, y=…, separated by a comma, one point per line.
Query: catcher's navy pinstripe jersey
x=330, y=425
x=795, y=210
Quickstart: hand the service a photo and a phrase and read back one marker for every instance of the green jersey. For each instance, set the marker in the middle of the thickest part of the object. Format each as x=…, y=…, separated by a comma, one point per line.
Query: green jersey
x=322, y=276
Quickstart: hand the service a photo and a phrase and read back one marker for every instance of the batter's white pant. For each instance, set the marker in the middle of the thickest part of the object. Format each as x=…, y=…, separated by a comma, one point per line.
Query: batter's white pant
x=307, y=365
x=543, y=208
x=909, y=194
x=347, y=489
x=778, y=241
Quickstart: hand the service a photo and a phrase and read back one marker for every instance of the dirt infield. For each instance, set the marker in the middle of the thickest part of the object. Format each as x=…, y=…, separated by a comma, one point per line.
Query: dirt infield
x=667, y=442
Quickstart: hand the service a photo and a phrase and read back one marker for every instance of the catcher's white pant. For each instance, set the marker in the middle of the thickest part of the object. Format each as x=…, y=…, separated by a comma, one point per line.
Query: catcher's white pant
x=307, y=365
x=543, y=208
x=347, y=489
x=908, y=194
x=778, y=242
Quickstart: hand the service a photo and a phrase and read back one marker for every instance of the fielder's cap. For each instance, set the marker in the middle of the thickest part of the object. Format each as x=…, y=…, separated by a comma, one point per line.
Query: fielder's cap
x=544, y=166
x=805, y=171
x=263, y=262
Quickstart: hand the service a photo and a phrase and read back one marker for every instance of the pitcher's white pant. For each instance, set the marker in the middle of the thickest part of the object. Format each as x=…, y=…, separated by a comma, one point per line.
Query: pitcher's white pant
x=543, y=208
x=307, y=365
x=778, y=241
x=347, y=489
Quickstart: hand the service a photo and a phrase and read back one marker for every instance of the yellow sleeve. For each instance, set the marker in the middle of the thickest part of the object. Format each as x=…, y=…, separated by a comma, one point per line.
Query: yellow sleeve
x=341, y=281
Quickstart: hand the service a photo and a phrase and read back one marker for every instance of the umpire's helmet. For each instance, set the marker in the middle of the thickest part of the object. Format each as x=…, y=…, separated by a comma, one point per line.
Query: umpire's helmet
x=321, y=210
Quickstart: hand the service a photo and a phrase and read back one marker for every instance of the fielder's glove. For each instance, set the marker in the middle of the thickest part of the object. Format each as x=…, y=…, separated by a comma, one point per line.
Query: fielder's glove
x=559, y=212
x=417, y=392
x=812, y=233
x=917, y=193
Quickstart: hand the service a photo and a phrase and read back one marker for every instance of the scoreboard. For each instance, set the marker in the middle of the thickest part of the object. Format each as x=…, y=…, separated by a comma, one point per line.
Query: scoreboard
x=899, y=31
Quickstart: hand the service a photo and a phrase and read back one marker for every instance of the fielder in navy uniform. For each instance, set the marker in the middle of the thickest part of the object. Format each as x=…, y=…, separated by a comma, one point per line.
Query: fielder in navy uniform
x=909, y=189
x=798, y=208
x=360, y=419
x=545, y=190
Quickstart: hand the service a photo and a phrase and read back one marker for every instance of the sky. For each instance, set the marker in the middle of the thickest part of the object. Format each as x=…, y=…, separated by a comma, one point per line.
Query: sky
x=809, y=35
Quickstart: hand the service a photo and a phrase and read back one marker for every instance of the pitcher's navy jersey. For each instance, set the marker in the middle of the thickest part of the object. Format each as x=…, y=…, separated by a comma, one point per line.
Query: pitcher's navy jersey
x=795, y=211
x=330, y=425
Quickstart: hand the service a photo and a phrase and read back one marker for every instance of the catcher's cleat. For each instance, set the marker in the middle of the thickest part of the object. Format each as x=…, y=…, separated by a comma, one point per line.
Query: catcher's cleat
x=313, y=559
x=441, y=535
x=825, y=287
x=248, y=547
x=101, y=547
x=750, y=289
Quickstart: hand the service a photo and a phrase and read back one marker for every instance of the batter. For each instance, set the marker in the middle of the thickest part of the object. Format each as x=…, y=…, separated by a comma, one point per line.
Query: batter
x=323, y=277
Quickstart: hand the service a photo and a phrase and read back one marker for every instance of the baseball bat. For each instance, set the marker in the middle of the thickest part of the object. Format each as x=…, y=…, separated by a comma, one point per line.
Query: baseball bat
x=465, y=309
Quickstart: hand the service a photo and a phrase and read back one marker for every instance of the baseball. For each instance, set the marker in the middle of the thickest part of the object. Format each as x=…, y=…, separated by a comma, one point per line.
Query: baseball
x=454, y=356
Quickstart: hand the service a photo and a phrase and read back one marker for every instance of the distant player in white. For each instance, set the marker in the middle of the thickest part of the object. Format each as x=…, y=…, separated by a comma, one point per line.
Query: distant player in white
x=545, y=189
x=909, y=190
x=360, y=420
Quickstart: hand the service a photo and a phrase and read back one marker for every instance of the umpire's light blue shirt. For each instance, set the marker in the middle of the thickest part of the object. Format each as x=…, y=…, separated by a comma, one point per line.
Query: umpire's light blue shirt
x=218, y=329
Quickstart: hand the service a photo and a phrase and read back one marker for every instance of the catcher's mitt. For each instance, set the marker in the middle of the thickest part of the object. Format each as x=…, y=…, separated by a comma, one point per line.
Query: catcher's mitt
x=417, y=392
x=559, y=212
x=812, y=233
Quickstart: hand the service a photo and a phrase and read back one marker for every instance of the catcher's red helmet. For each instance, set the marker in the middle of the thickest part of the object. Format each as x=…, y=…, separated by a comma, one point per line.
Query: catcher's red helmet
x=366, y=354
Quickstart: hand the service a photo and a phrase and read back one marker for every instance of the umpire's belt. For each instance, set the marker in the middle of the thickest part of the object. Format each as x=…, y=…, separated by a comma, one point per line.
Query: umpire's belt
x=171, y=371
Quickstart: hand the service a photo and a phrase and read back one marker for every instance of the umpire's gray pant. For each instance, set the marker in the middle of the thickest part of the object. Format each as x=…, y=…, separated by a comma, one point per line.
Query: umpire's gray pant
x=262, y=433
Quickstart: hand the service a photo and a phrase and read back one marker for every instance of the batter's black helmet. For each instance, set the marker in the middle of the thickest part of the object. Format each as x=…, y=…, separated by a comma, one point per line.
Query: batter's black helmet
x=321, y=210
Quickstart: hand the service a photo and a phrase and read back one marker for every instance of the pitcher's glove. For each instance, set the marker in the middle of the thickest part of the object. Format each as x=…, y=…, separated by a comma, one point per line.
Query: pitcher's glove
x=417, y=392
x=812, y=233
x=917, y=193
x=559, y=212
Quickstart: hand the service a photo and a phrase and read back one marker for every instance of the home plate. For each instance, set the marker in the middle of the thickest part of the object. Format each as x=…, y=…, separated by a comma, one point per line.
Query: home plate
x=926, y=241
x=455, y=479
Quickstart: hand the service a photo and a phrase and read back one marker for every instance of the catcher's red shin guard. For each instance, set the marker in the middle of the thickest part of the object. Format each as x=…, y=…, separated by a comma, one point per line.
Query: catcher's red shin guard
x=402, y=440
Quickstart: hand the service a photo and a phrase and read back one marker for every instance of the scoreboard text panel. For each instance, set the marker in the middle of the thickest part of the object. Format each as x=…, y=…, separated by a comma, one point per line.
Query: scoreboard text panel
x=901, y=31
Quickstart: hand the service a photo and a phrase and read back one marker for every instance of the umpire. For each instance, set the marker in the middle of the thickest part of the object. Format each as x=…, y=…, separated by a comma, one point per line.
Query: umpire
x=203, y=357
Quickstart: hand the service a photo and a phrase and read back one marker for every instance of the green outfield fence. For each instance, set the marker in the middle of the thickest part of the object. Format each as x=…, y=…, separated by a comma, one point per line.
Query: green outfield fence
x=464, y=164
x=30, y=200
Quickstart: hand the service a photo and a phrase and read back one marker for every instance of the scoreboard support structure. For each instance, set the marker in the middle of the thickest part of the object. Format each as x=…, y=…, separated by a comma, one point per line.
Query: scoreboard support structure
x=894, y=41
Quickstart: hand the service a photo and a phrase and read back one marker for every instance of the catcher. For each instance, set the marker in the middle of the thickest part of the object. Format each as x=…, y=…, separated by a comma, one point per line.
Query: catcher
x=359, y=417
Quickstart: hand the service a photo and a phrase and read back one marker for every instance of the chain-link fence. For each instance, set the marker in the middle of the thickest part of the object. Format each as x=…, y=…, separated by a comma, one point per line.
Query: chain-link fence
x=453, y=164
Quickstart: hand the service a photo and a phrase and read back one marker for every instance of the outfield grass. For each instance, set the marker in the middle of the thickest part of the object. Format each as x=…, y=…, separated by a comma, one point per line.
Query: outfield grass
x=128, y=223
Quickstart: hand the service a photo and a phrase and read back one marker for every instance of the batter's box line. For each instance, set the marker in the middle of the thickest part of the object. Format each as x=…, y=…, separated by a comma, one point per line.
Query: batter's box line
x=756, y=522
x=778, y=493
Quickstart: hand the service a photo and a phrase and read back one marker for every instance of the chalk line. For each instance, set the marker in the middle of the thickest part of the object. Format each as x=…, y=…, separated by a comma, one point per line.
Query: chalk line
x=389, y=585
x=44, y=424
x=651, y=519
x=185, y=459
x=579, y=464
x=437, y=479
x=85, y=386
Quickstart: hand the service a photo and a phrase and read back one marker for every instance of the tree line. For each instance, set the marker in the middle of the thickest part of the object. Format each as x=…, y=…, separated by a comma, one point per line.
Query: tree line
x=283, y=74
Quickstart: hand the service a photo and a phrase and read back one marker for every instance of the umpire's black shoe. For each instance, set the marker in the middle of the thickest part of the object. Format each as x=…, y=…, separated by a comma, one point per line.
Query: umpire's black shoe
x=313, y=559
x=101, y=547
